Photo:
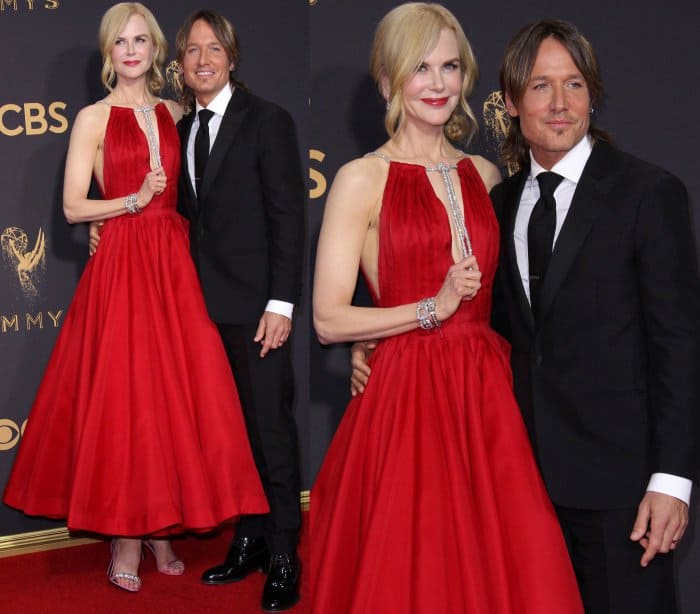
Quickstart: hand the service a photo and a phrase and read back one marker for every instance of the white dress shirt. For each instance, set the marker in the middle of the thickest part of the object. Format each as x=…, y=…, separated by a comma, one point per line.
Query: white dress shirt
x=218, y=106
x=570, y=167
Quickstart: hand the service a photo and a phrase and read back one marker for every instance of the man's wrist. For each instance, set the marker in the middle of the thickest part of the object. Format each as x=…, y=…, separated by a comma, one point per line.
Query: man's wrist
x=673, y=485
x=282, y=308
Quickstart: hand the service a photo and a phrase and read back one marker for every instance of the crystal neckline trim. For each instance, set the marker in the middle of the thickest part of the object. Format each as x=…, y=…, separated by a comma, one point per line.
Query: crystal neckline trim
x=153, y=145
x=436, y=168
x=441, y=166
x=457, y=215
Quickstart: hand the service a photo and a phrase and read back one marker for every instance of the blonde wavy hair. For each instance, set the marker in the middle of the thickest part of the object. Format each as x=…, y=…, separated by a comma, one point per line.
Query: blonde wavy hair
x=404, y=37
x=113, y=23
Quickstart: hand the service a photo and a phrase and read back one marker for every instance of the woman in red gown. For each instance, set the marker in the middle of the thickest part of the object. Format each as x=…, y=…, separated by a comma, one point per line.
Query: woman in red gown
x=429, y=499
x=136, y=430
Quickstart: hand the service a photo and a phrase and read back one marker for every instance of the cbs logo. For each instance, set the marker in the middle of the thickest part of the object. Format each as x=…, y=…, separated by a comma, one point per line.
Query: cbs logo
x=10, y=433
x=32, y=118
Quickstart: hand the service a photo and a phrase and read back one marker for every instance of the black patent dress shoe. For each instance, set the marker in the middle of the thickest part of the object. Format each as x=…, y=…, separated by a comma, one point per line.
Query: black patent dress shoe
x=281, y=590
x=245, y=556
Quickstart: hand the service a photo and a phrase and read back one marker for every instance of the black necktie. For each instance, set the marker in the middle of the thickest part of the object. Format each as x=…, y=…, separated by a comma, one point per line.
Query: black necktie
x=201, y=147
x=540, y=235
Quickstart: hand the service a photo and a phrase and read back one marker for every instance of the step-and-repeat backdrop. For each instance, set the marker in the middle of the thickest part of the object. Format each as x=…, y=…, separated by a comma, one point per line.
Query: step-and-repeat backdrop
x=50, y=69
x=649, y=57
x=311, y=57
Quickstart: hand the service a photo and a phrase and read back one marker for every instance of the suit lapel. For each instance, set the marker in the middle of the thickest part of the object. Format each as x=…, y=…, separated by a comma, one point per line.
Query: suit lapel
x=588, y=203
x=189, y=196
x=512, y=201
x=231, y=122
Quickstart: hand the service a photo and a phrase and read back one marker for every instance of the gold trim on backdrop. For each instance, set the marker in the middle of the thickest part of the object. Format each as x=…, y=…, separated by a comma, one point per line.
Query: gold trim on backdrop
x=37, y=541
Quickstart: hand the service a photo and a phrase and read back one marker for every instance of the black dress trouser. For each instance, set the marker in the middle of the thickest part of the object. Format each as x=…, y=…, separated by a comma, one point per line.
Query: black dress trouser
x=266, y=388
x=606, y=563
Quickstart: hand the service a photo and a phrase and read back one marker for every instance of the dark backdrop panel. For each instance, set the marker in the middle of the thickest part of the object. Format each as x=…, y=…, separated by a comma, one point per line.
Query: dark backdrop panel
x=649, y=61
x=54, y=72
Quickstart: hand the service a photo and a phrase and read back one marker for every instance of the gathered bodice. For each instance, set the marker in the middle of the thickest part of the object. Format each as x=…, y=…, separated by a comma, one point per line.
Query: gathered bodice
x=127, y=157
x=415, y=238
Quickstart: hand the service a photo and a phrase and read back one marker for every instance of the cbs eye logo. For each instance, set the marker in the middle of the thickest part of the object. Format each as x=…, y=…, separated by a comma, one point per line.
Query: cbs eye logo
x=10, y=433
x=32, y=118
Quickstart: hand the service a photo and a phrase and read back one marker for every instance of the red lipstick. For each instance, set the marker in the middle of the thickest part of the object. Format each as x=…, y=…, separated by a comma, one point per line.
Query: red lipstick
x=436, y=102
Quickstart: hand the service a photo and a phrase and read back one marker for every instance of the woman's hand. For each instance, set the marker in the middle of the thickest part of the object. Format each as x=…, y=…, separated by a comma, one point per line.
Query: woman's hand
x=462, y=282
x=154, y=183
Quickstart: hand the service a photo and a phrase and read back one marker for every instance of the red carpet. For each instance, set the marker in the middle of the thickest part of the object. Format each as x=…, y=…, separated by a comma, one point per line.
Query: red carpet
x=74, y=580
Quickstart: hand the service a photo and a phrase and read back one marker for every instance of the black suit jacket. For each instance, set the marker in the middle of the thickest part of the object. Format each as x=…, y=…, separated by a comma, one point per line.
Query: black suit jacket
x=609, y=381
x=247, y=229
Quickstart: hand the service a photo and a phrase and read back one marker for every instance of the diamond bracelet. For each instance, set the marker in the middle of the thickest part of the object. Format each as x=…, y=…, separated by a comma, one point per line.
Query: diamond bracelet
x=131, y=203
x=425, y=314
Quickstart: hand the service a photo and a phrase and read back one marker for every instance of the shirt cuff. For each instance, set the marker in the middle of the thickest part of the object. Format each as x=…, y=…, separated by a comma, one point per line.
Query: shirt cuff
x=283, y=308
x=673, y=485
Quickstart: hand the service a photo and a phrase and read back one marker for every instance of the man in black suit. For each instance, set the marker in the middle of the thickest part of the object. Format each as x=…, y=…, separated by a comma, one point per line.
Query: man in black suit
x=603, y=324
x=597, y=291
x=241, y=187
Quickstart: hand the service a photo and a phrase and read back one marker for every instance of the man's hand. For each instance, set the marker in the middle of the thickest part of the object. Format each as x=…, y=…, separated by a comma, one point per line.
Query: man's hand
x=273, y=331
x=660, y=524
x=359, y=355
x=95, y=228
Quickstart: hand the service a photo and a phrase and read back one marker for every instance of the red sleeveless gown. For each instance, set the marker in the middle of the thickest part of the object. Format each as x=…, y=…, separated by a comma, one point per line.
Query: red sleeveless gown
x=429, y=499
x=137, y=428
